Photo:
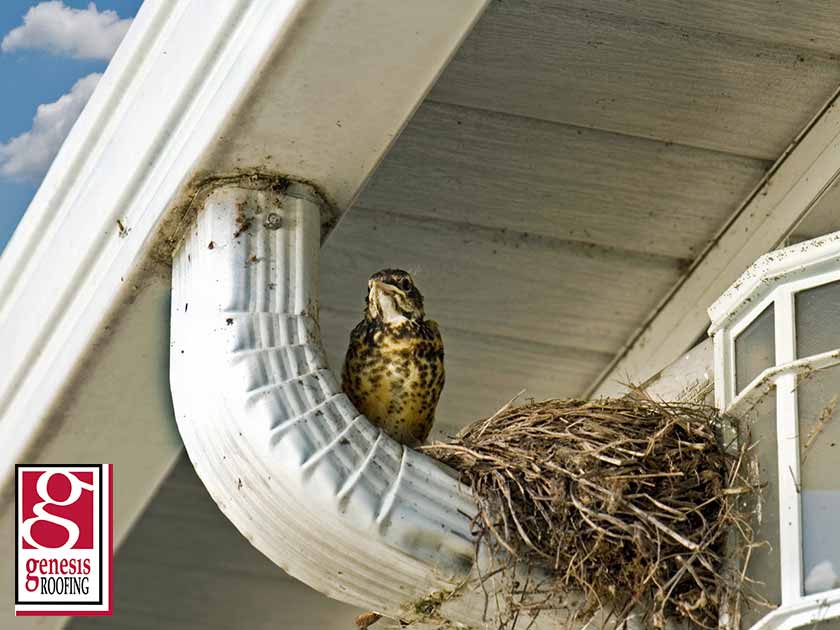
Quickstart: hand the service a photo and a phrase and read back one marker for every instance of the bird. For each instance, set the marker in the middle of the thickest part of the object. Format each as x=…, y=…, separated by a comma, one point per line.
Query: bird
x=393, y=370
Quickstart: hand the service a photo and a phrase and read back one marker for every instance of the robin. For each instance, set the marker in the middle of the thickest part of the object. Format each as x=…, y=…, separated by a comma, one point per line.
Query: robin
x=393, y=370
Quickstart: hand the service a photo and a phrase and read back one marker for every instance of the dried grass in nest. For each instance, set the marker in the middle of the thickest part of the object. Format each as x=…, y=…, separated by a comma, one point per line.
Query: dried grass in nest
x=627, y=500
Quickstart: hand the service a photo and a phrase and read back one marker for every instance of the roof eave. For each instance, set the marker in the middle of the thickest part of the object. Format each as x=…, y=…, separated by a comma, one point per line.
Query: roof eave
x=188, y=96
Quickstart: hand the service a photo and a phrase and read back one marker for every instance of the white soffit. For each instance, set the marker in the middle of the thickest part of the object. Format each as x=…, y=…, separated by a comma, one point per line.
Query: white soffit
x=316, y=89
x=789, y=191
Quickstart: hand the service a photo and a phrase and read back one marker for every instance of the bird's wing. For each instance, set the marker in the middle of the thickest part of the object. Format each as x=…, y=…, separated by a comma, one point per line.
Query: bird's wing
x=434, y=329
x=356, y=339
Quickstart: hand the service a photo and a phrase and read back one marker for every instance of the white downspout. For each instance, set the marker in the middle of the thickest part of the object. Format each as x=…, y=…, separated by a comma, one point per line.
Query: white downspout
x=306, y=478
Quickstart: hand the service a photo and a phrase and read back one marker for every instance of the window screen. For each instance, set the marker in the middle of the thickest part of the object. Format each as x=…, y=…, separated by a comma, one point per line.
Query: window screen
x=764, y=565
x=817, y=314
x=755, y=349
x=819, y=456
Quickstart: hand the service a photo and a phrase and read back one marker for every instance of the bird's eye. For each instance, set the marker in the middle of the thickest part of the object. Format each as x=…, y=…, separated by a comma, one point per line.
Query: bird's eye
x=405, y=284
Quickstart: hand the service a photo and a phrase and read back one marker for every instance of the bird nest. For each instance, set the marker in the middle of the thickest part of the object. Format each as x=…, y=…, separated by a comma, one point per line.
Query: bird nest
x=629, y=501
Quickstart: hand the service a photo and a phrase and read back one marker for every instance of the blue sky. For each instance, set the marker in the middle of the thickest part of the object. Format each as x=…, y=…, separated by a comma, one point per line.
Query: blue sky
x=58, y=44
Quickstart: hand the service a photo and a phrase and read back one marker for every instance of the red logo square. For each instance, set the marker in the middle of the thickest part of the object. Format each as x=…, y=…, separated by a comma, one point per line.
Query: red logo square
x=63, y=539
x=57, y=509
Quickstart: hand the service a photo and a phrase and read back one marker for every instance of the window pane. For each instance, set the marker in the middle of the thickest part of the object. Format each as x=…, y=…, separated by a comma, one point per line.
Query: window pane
x=819, y=453
x=817, y=314
x=764, y=567
x=755, y=349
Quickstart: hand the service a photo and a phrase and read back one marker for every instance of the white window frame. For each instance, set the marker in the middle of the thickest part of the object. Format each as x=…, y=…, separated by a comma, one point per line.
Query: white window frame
x=796, y=608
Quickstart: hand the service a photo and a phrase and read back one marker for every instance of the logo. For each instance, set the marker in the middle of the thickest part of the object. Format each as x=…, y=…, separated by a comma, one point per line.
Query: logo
x=63, y=539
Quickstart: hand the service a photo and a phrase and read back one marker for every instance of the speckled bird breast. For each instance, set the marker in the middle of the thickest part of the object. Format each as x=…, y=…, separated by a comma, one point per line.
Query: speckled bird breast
x=394, y=375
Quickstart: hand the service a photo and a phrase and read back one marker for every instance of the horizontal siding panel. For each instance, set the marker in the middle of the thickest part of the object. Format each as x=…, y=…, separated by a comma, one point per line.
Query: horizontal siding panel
x=803, y=24
x=823, y=219
x=499, y=283
x=532, y=176
x=639, y=77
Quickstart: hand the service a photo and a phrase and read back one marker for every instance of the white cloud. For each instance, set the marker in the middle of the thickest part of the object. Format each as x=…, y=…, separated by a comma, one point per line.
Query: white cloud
x=29, y=155
x=81, y=33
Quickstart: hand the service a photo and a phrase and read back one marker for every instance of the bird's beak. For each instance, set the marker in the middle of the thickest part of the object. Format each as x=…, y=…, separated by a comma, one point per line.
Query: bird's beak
x=382, y=287
x=375, y=289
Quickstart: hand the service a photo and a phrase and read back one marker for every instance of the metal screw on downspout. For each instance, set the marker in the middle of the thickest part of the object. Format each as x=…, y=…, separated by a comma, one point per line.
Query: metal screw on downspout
x=273, y=221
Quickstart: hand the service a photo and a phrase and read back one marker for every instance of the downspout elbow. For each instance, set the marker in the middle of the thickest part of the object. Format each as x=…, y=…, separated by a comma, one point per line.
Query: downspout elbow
x=298, y=470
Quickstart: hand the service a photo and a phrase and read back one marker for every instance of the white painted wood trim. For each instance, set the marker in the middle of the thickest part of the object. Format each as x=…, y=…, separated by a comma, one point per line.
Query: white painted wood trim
x=777, y=267
x=787, y=437
x=724, y=386
x=757, y=386
x=811, y=609
x=785, y=196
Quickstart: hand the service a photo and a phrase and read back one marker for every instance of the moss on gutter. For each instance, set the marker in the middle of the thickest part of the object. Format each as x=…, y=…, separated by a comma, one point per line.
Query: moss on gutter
x=191, y=200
